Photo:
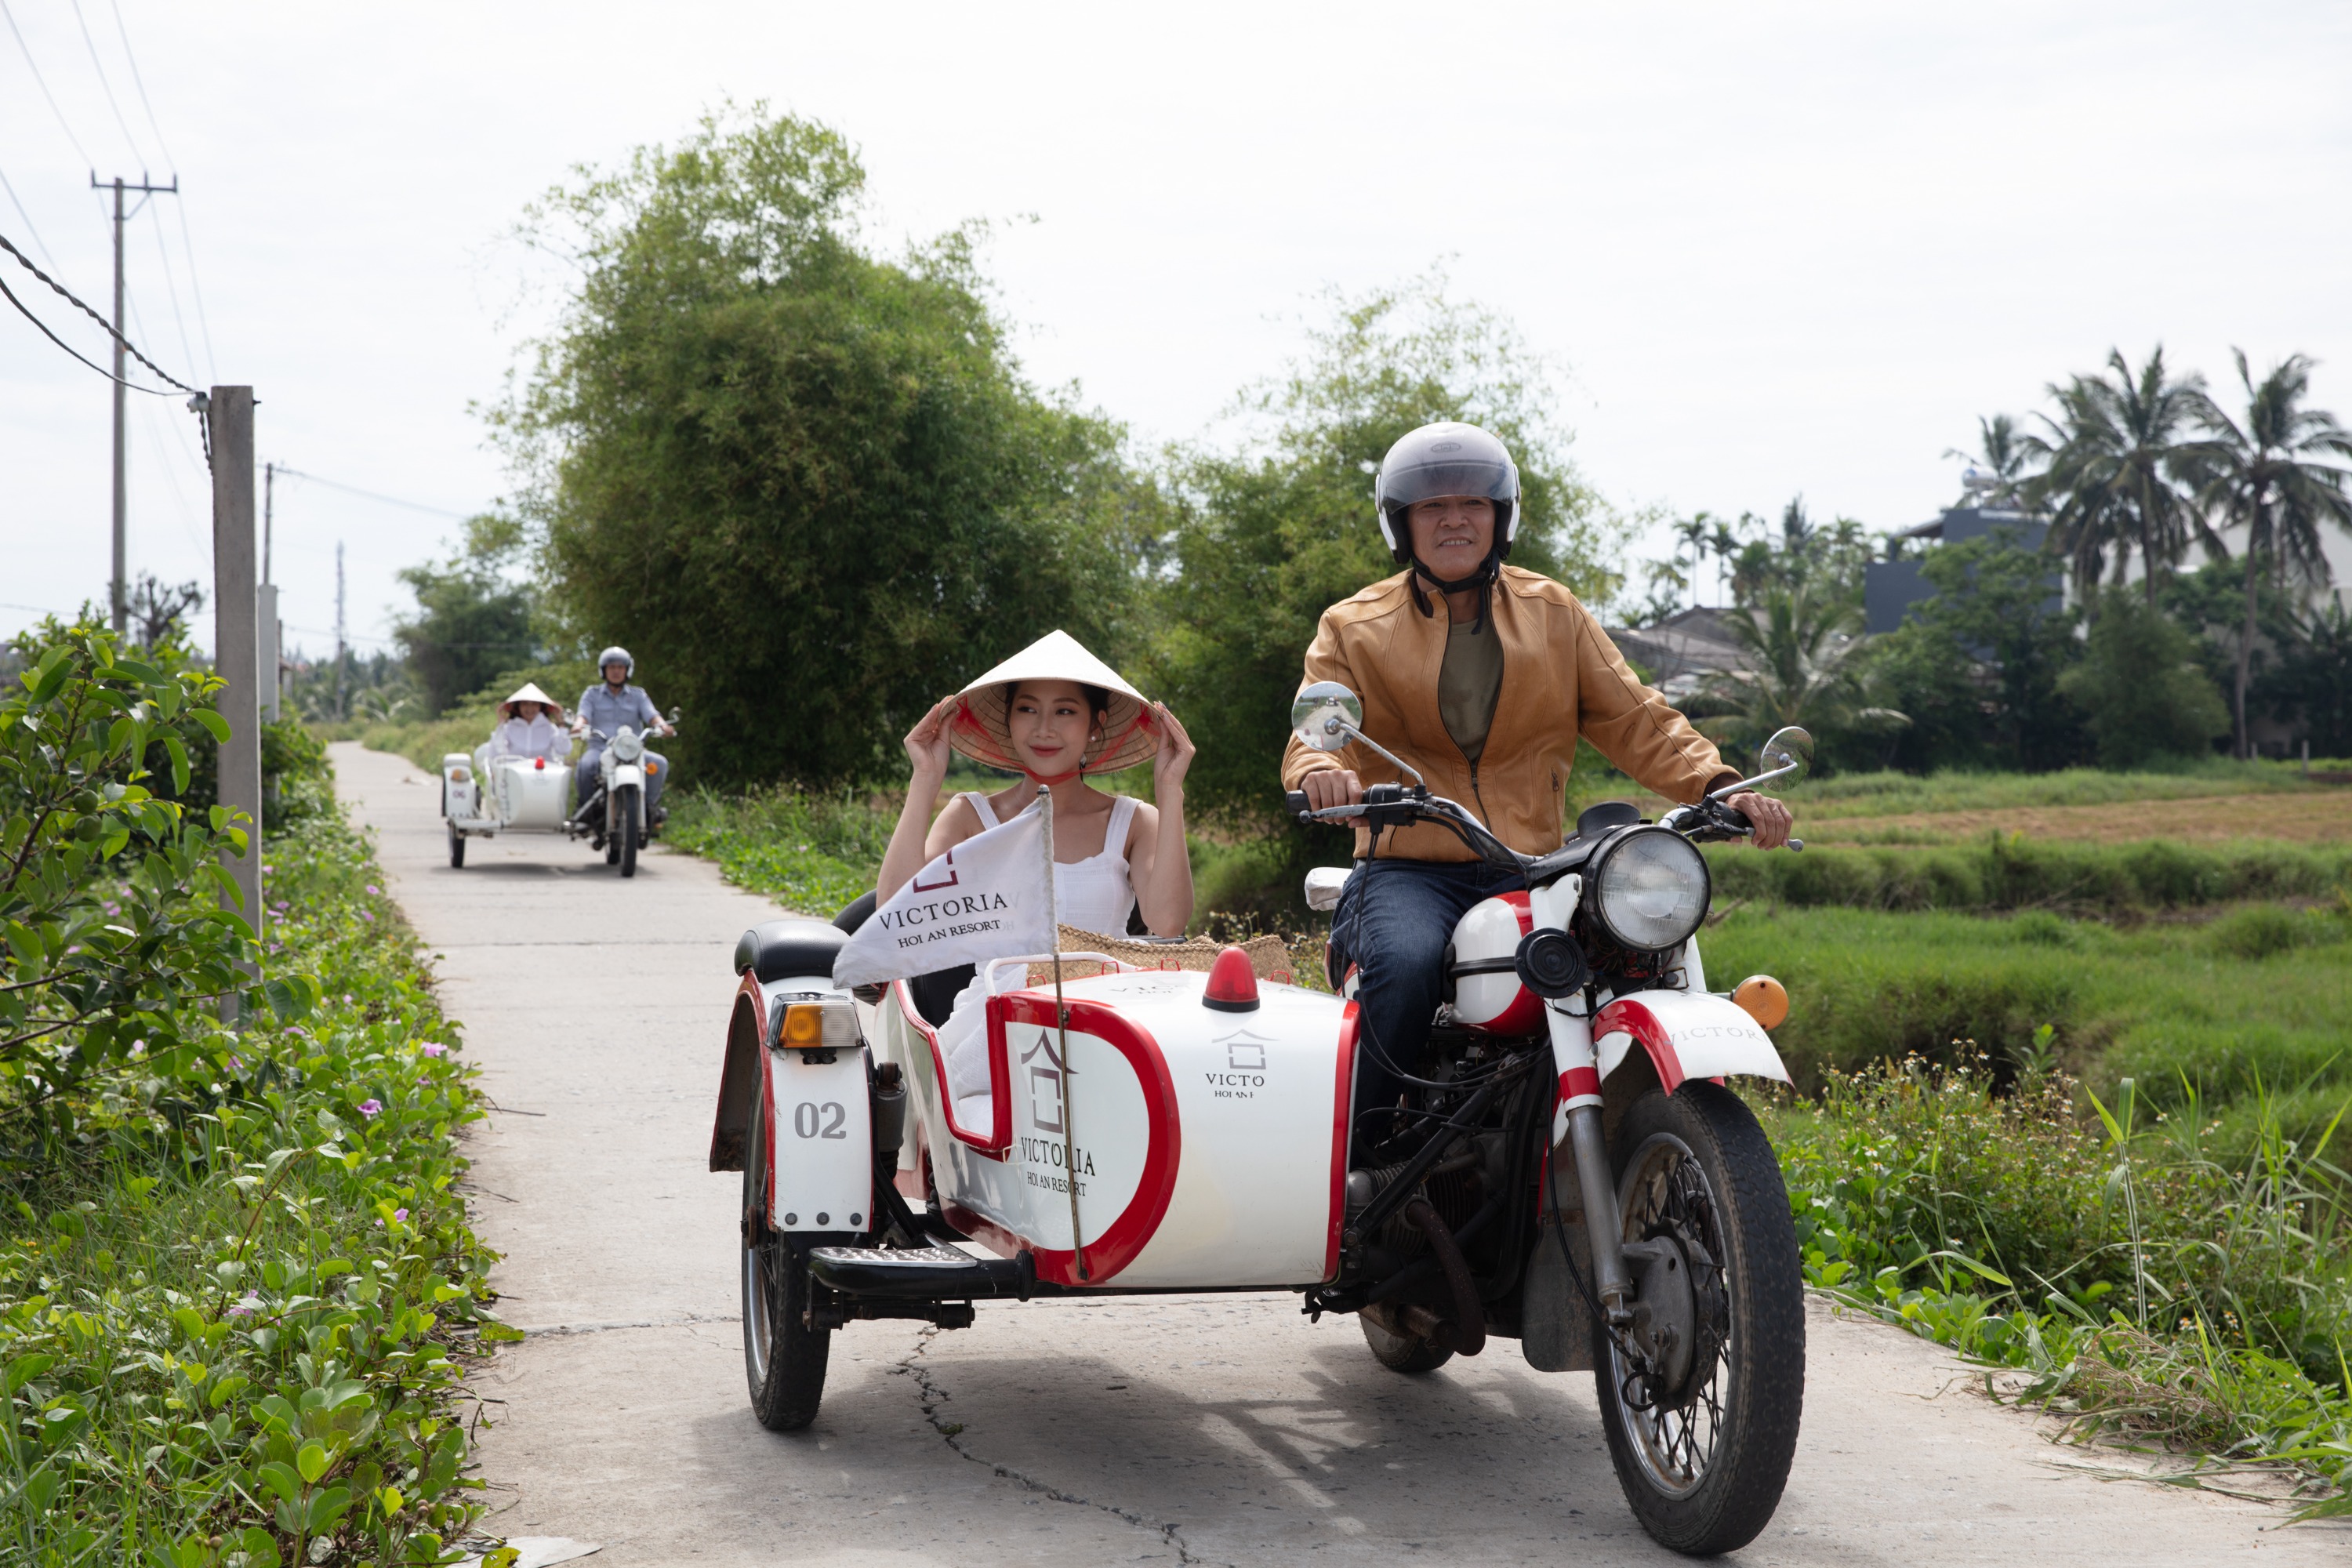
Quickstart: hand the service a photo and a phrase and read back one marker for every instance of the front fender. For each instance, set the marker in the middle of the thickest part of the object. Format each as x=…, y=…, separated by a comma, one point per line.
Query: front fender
x=1687, y=1034
x=738, y=1076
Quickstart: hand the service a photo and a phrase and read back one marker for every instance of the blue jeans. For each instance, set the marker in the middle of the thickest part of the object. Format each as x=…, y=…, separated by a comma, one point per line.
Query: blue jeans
x=657, y=775
x=1393, y=921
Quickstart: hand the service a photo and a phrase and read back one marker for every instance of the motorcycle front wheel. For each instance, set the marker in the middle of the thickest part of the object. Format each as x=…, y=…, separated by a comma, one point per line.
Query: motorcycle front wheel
x=1703, y=1465
x=457, y=849
x=624, y=831
x=783, y=1358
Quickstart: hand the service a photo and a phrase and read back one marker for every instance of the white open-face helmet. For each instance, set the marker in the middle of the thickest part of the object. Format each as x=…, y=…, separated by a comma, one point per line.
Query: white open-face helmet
x=618, y=654
x=1449, y=458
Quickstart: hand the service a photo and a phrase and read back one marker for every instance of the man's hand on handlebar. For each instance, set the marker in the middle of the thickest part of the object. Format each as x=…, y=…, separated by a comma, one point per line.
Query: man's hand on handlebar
x=1770, y=818
x=1331, y=787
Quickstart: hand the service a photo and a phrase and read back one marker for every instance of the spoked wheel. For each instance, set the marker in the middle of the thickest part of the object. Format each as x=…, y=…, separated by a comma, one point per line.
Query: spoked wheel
x=783, y=1358
x=1404, y=1353
x=1701, y=1436
x=457, y=849
x=624, y=831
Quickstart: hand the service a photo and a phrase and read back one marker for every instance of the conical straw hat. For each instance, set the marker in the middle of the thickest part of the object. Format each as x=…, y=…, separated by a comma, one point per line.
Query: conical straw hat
x=529, y=693
x=980, y=731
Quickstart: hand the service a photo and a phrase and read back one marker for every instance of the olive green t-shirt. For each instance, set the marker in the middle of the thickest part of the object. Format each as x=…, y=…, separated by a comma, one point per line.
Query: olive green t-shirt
x=1469, y=683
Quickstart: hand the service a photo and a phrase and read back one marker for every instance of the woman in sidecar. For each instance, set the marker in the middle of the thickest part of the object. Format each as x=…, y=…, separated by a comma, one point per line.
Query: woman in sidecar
x=1053, y=713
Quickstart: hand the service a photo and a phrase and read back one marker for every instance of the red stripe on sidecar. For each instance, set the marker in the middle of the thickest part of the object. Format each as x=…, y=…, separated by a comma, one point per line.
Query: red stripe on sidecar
x=1343, y=1100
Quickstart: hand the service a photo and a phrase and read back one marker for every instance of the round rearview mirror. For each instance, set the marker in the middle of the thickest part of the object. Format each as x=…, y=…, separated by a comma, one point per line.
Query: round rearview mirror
x=1322, y=715
x=1789, y=748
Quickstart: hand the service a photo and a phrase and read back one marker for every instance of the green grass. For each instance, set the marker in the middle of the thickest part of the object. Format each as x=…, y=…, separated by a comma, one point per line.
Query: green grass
x=234, y=1312
x=2009, y=872
x=813, y=853
x=1903, y=795
x=2174, y=1006
x=2145, y=1287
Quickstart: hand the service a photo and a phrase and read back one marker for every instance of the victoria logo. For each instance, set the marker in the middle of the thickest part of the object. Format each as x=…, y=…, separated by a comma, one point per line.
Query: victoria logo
x=947, y=863
x=1245, y=1072
x=1045, y=1078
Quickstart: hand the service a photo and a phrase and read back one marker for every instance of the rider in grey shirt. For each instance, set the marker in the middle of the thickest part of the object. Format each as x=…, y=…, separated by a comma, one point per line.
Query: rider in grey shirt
x=607, y=708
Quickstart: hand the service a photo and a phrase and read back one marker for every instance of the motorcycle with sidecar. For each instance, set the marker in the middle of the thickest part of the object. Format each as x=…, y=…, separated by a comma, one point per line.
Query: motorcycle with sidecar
x=484, y=795
x=1565, y=1166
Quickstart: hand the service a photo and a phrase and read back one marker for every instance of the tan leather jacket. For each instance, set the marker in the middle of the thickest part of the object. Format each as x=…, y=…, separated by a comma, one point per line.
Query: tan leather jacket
x=1561, y=677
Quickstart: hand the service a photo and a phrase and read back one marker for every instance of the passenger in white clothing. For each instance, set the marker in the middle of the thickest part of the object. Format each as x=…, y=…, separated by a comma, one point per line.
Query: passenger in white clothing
x=1066, y=715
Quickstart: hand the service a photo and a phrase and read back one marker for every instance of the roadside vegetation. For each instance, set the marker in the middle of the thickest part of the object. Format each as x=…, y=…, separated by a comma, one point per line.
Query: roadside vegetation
x=237, y=1285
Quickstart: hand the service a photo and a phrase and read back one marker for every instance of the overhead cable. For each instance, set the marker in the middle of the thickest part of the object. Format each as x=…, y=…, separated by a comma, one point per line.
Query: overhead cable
x=30, y=228
x=187, y=241
x=107, y=87
x=130, y=347
x=42, y=81
x=374, y=495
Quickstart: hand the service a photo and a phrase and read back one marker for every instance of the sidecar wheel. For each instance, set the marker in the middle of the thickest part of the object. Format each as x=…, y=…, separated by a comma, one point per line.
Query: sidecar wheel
x=784, y=1359
x=1703, y=1466
x=1400, y=1353
x=457, y=849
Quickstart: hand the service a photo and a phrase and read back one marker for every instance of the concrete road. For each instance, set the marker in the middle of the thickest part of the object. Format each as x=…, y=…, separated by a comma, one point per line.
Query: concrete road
x=1213, y=1429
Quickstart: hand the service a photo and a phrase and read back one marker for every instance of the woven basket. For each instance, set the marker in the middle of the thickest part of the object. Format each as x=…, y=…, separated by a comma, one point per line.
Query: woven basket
x=1269, y=959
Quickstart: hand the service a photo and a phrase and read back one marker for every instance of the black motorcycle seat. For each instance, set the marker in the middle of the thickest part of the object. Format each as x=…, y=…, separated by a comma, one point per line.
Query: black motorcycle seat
x=787, y=947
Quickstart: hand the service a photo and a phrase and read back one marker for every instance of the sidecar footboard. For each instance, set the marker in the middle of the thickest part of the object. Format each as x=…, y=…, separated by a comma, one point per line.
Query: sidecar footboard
x=922, y=1274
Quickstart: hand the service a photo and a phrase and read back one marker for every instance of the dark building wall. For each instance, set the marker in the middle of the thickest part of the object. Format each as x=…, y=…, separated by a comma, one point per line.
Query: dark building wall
x=1890, y=588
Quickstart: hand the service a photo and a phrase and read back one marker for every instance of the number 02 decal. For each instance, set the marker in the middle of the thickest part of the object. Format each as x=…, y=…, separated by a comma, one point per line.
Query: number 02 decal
x=811, y=1120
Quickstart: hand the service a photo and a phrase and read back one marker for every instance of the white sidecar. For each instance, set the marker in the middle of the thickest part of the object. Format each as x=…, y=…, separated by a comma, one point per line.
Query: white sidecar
x=483, y=796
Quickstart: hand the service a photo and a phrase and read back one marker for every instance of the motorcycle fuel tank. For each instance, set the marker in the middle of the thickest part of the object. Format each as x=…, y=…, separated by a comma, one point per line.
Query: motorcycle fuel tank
x=1481, y=961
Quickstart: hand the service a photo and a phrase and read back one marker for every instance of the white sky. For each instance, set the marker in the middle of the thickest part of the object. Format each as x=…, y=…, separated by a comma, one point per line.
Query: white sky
x=1778, y=248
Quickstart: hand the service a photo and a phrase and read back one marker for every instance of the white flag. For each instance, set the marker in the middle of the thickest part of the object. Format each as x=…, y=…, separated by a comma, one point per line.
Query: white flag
x=989, y=897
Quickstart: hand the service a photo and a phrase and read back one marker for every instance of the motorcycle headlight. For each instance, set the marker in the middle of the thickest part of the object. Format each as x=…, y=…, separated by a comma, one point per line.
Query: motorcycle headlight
x=1650, y=889
x=629, y=747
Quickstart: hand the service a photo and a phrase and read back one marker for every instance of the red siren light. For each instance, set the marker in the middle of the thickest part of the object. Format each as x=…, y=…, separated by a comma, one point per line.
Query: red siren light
x=1233, y=983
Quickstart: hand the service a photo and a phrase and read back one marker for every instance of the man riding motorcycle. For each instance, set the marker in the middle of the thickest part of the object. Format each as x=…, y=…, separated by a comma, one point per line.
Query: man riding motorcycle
x=602, y=711
x=1482, y=677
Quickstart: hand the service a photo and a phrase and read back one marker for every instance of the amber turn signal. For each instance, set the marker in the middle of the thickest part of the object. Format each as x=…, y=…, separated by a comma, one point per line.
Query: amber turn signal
x=816, y=1025
x=1762, y=998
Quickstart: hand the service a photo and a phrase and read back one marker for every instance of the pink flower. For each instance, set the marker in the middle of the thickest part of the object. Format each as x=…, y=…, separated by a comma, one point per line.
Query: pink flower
x=432, y=1048
x=371, y=1106
x=367, y=917
x=400, y=1214
x=237, y=1064
x=373, y=888
x=245, y=1306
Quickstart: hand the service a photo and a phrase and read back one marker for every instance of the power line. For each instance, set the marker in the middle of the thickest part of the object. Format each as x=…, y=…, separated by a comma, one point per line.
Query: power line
x=107, y=87
x=137, y=80
x=373, y=495
x=68, y=294
x=42, y=81
x=187, y=242
x=171, y=287
x=42, y=244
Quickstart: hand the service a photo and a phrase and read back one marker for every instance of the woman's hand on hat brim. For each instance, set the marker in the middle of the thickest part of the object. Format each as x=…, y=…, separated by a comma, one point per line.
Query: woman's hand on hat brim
x=927, y=743
x=1174, y=757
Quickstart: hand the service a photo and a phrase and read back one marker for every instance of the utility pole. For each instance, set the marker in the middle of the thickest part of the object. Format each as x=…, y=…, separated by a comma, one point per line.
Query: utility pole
x=339, y=631
x=271, y=633
x=121, y=486
x=236, y=643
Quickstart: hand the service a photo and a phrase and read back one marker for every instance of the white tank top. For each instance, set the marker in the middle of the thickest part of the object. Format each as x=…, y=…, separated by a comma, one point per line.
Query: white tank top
x=1094, y=894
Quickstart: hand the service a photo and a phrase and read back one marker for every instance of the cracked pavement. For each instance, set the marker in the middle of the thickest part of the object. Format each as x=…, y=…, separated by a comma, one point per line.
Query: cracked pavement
x=1201, y=1429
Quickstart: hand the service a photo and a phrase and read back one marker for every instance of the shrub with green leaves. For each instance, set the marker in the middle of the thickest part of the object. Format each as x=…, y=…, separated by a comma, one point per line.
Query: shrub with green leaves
x=110, y=895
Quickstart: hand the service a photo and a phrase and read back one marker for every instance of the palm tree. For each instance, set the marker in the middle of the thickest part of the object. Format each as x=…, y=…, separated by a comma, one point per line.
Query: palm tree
x=2120, y=470
x=2262, y=475
x=1726, y=545
x=2002, y=452
x=1691, y=534
x=1801, y=645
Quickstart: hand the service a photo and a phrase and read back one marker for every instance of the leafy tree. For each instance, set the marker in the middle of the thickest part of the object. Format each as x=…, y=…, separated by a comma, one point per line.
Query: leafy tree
x=159, y=610
x=1976, y=666
x=2312, y=684
x=2121, y=459
x=1270, y=536
x=472, y=621
x=1802, y=644
x=2142, y=691
x=2267, y=476
x=805, y=485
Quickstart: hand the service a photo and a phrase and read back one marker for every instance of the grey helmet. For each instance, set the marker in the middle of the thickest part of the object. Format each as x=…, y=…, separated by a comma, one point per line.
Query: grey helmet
x=616, y=654
x=1448, y=458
